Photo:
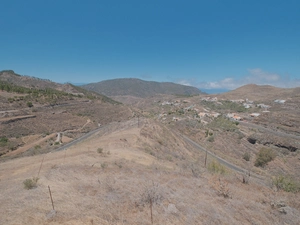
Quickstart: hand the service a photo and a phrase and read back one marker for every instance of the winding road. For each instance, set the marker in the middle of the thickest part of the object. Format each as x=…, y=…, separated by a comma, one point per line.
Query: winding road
x=220, y=160
x=278, y=133
x=188, y=140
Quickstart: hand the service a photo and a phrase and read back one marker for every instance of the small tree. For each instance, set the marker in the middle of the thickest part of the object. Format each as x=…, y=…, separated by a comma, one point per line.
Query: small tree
x=151, y=196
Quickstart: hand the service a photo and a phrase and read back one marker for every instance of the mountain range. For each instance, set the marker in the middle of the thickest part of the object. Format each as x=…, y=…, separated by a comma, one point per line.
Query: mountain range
x=139, y=88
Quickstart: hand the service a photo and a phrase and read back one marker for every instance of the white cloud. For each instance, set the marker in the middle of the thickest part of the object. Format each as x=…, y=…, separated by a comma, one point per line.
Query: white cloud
x=145, y=76
x=184, y=82
x=258, y=75
x=254, y=76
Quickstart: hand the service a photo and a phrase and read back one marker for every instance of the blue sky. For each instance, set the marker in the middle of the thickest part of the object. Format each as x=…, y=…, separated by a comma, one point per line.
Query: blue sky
x=211, y=44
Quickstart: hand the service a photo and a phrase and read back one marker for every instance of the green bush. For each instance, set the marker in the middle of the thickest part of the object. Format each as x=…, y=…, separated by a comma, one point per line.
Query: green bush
x=100, y=150
x=264, y=156
x=29, y=104
x=3, y=141
x=104, y=165
x=216, y=167
x=211, y=139
x=246, y=156
x=30, y=183
x=226, y=106
x=206, y=133
x=286, y=183
x=224, y=124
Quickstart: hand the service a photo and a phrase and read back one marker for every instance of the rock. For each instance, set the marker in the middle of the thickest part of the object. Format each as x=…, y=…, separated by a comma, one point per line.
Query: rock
x=289, y=210
x=51, y=215
x=251, y=140
x=282, y=210
x=278, y=204
x=172, y=209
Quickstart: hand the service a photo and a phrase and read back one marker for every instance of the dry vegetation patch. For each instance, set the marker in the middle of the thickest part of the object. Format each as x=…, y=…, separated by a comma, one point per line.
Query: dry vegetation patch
x=85, y=192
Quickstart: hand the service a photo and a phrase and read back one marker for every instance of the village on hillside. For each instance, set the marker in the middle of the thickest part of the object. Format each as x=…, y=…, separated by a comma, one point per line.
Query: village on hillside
x=208, y=108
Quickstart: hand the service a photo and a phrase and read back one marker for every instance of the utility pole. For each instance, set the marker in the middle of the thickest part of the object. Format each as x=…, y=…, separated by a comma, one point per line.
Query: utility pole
x=51, y=197
x=205, y=158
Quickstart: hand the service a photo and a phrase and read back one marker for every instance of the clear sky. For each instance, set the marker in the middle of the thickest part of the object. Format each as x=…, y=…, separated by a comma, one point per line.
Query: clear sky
x=205, y=43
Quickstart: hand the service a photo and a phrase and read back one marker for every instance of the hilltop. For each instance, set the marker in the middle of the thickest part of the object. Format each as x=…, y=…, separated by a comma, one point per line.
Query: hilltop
x=9, y=76
x=261, y=93
x=139, y=88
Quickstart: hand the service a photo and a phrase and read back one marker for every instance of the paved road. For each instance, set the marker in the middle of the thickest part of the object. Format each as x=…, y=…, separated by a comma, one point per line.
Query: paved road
x=220, y=160
x=80, y=139
x=87, y=135
x=278, y=133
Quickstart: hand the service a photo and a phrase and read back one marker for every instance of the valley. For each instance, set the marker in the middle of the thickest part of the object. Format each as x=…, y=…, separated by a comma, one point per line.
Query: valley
x=159, y=159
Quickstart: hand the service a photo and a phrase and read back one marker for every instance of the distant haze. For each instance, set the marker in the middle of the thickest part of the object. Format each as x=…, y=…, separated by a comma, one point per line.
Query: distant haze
x=214, y=91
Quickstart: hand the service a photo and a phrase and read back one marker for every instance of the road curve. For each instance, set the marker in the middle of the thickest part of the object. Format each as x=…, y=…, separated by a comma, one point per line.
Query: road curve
x=76, y=141
x=220, y=160
x=89, y=134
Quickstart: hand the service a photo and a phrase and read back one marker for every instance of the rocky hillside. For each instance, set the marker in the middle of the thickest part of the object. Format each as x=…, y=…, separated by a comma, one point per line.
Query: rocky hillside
x=11, y=77
x=32, y=109
x=139, y=88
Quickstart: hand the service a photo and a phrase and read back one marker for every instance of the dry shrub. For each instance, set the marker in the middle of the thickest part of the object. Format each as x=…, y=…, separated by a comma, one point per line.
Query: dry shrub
x=102, y=153
x=264, y=156
x=221, y=187
x=286, y=183
x=246, y=177
x=110, y=184
x=216, y=167
x=152, y=195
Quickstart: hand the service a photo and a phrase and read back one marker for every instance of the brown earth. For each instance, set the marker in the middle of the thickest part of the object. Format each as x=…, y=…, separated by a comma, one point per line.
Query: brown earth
x=110, y=187
x=70, y=117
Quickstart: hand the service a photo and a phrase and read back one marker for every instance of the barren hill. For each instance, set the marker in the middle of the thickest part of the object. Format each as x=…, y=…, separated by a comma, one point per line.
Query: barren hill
x=139, y=88
x=32, y=109
x=261, y=92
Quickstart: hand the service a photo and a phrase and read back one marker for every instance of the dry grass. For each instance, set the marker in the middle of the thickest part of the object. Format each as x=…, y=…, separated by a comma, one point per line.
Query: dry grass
x=85, y=193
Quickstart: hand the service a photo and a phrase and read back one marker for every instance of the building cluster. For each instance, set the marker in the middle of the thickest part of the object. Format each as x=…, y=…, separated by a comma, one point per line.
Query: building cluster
x=205, y=114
